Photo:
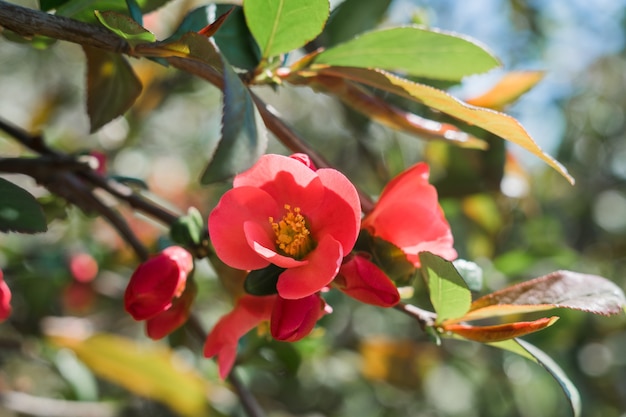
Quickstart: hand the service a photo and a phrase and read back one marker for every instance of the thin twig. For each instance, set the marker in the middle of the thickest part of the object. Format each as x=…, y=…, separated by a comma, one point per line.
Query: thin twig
x=425, y=318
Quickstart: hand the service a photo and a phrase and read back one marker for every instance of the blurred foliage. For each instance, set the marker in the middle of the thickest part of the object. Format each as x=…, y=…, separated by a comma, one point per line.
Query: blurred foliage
x=517, y=219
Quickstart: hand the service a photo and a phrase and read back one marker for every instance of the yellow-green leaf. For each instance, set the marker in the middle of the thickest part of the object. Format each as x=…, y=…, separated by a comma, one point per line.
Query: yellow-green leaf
x=148, y=370
x=492, y=121
x=508, y=89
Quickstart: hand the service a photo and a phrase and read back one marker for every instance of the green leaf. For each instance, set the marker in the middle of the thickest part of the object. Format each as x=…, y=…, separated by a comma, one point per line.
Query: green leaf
x=448, y=292
x=190, y=45
x=536, y=355
x=244, y=136
x=561, y=289
x=263, y=281
x=351, y=18
x=472, y=273
x=134, y=10
x=19, y=211
x=280, y=26
x=112, y=86
x=235, y=40
x=387, y=257
x=84, y=9
x=125, y=27
x=492, y=121
x=414, y=51
x=194, y=21
x=189, y=229
x=150, y=370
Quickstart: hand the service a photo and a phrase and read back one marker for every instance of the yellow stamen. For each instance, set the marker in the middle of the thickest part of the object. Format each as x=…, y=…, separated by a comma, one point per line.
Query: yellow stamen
x=293, y=238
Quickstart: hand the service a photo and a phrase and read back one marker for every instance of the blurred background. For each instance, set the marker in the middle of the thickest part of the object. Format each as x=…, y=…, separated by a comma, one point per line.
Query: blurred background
x=509, y=212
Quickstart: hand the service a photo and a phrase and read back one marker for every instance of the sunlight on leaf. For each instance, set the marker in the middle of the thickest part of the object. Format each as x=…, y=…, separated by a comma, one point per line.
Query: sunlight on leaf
x=125, y=27
x=448, y=292
x=561, y=289
x=507, y=90
x=112, y=86
x=19, y=210
x=149, y=370
x=536, y=355
x=282, y=25
x=414, y=51
x=492, y=121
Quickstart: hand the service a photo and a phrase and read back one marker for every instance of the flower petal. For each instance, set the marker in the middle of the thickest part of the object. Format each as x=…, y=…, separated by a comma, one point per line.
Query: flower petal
x=261, y=243
x=324, y=262
x=339, y=213
x=248, y=313
x=5, y=299
x=287, y=180
x=294, y=319
x=226, y=225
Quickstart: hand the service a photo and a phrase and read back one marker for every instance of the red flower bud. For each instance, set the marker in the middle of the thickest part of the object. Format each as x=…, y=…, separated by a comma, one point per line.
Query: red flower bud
x=156, y=282
x=294, y=319
x=171, y=319
x=5, y=299
x=364, y=281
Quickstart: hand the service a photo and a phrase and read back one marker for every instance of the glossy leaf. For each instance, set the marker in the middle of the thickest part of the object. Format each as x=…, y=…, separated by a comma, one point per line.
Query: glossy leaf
x=193, y=21
x=536, y=355
x=244, y=136
x=19, y=210
x=497, y=123
x=499, y=332
x=235, y=40
x=112, y=86
x=561, y=289
x=210, y=29
x=352, y=17
x=471, y=273
x=134, y=10
x=125, y=27
x=148, y=370
x=414, y=51
x=507, y=90
x=280, y=26
x=448, y=292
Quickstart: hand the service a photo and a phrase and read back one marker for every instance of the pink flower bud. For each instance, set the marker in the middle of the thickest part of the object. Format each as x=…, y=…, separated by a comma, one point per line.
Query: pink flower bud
x=5, y=299
x=361, y=279
x=294, y=319
x=156, y=282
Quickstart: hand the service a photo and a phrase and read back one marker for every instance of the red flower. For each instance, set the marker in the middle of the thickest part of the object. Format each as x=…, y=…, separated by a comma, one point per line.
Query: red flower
x=156, y=282
x=171, y=319
x=290, y=320
x=409, y=216
x=5, y=299
x=249, y=312
x=364, y=281
x=282, y=212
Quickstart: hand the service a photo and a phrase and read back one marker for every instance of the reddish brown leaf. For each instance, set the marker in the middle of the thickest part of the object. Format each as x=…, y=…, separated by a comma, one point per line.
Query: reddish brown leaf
x=507, y=90
x=210, y=29
x=561, y=289
x=499, y=332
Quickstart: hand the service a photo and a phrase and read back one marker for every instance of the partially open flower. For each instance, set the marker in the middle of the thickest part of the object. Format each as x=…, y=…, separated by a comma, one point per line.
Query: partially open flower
x=408, y=215
x=5, y=299
x=156, y=282
x=282, y=212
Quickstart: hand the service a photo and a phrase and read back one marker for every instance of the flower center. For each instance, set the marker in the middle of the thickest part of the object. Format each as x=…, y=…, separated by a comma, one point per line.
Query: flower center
x=293, y=238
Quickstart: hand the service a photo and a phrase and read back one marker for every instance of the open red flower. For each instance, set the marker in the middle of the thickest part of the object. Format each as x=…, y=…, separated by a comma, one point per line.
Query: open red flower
x=282, y=212
x=5, y=299
x=156, y=282
x=408, y=215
